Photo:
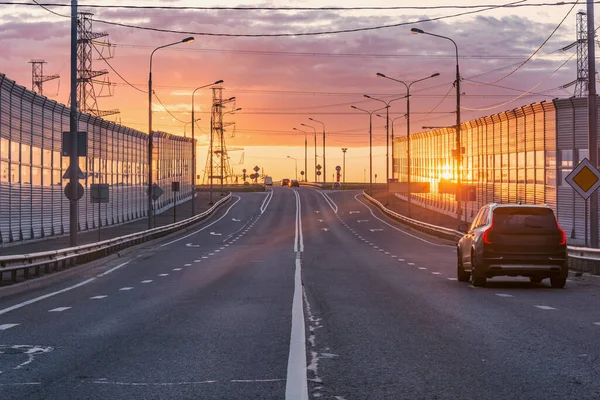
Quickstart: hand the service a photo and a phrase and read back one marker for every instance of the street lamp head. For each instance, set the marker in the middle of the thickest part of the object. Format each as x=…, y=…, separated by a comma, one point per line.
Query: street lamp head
x=417, y=30
x=238, y=109
x=381, y=75
x=217, y=82
x=231, y=98
x=353, y=107
x=434, y=75
x=303, y=124
x=188, y=40
x=310, y=119
x=367, y=96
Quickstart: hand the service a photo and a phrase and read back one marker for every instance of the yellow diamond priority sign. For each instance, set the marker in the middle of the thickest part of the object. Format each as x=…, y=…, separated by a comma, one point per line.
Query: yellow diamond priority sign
x=585, y=178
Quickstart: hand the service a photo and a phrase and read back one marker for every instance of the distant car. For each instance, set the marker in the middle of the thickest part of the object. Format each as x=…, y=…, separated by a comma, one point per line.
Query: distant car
x=294, y=182
x=268, y=181
x=285, y=182
x=513, y=240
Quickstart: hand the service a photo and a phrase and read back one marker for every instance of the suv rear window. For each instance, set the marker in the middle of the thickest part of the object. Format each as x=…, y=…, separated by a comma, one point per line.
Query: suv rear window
x=524, y=220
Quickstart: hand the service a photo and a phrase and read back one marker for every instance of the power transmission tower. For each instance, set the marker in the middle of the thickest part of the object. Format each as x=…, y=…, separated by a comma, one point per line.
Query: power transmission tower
x=217, y=161
x=38, y=77
x=86, y=76
x=581, y=85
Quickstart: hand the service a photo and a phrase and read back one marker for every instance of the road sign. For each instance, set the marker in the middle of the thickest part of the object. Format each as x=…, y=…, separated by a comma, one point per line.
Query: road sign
x=301, y=172
x=319, y=167
x=156, y=192
x=256, y=169
x=69, y=192
x=585, y=178
x=67, y=174
x=336, y=185
x=318, y=173
x=81, y=144
x=99, y=193
x=175, y=186
x=244, y=170
x=338, y=168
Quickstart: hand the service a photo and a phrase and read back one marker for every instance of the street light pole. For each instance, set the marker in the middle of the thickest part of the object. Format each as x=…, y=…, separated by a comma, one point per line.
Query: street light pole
x=296, y=160
x=150, y=144
x=315, y=132
x=409, y=192
x=324, y=165
x=458, y=141
x=305, y=154
x=370, y=144
x=344, y=149
x=193, y=122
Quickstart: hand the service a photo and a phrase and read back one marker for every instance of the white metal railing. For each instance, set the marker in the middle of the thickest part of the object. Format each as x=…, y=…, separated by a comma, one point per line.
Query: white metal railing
x=87, y=252
x=577, y=253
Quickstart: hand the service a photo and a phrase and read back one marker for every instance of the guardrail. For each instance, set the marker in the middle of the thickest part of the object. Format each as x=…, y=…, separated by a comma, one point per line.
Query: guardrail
x=582, y=259
x=63, y=258
x=311, y=184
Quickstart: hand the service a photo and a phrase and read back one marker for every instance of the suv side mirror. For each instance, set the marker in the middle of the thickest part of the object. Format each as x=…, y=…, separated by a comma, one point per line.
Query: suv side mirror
x=463, y=227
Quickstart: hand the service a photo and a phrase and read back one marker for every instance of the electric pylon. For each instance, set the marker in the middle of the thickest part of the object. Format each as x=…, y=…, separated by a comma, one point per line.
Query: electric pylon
x=581, y=85
x=38, y=78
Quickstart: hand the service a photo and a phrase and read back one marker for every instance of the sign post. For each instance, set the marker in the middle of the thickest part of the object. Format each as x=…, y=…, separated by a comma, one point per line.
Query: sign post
x=99, y=193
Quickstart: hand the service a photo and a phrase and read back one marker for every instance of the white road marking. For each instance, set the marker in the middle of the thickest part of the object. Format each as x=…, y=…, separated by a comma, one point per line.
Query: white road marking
x=126, y=288
x=298, y=235
x=401, y=259
x=321, y=220
x=36, y=299
x=205, y=257
x=204, y=227
x=211, y=254
x=215, y=233
x=376, y=230
x=176, y=269
x=398, y=229
x=267, y=199
x=596, y=323
x=296, y=386
x=419, y=267
x=192, y=245
x=222, y=248
x=354, y=212
x=387, y=253
x=360, y=221
x=436, y=273
x=59, y=309
x=147, y=281
x=163, y=274
x=411, y=263
x=4, y=327
x=98, y=297
x=197, y=261
x=217, y=251
x=325, y=229
x=188, y=265
x=545, y=307
x=112, y=269
x=236, y=220
x=504, y=295
x=452, y=279
x=393, y=256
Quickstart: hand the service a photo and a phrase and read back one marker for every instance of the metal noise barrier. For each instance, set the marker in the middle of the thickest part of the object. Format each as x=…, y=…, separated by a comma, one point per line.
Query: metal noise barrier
x=580, y=258
x=54, y=260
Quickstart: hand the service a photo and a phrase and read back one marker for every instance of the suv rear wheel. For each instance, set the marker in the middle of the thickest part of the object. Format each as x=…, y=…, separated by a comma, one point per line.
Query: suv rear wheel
x=558, y=282
x=461, y=274
x=476, y=279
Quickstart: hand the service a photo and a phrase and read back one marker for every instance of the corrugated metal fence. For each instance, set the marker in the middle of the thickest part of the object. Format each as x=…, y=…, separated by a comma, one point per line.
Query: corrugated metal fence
x=32, y=202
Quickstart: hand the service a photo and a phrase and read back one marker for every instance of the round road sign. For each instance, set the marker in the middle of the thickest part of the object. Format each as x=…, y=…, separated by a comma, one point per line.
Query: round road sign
x=69, y=192
x=301, y=172
x=318, y=173
x=338, y=168
x=336, y=185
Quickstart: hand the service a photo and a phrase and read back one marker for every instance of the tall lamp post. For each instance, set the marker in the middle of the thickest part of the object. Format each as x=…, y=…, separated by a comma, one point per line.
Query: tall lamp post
x=370, y=143
x=458, y=143
x=315, y=131
x=296, y=160
x=186, y=124
x=407, y=86
x=305, y=154
x=344, y=149
x=150, y=144
x=194, y=144
x=324, y=167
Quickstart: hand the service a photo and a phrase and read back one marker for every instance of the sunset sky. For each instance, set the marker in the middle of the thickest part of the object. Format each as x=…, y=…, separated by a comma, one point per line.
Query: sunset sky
x=280, y=82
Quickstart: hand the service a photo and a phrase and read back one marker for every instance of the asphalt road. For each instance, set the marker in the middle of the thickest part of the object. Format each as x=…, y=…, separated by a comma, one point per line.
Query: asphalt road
x=221, y=313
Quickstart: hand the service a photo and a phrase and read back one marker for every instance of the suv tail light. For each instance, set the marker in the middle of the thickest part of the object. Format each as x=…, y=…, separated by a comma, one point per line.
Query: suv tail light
x=563, y=239
x=486, y=233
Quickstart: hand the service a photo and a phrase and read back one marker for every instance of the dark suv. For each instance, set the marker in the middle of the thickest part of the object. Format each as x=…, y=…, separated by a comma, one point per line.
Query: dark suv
x=513, y=240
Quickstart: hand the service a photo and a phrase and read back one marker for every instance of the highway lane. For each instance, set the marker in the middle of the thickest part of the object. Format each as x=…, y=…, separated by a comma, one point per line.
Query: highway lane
x=211, y=321
x=211, y=315
x=390, y=323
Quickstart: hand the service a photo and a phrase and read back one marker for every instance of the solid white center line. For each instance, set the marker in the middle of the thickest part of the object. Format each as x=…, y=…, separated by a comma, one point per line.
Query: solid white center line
x=4, y=327
x=163, y=274
x=545, y=307
x=126, y=288
x=147, y=281
x=98, y=297
x=504, y=295
x=296, y=384
x=59, y=309
x=176, y=269
x=436, y=273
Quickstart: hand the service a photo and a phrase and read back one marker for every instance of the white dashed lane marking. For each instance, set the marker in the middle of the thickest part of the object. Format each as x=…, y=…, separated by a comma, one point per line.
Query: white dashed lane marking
x=163, y=274
x=596, y=323
x=436, y=273
x=545, y=307
x=147, y=281
x=504, y=295
x=419, y=267
x=126, y=288
x=4, y=327
x=98, y=297
x=59, y=309
x=452, y=279
x=189, y=265
x=176, y=269
x=414, y=264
